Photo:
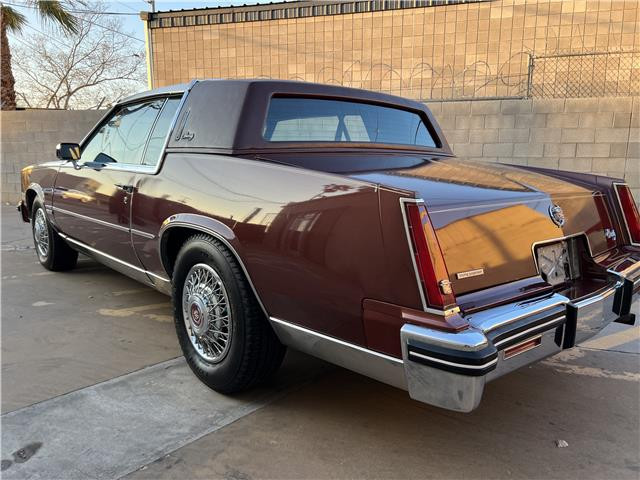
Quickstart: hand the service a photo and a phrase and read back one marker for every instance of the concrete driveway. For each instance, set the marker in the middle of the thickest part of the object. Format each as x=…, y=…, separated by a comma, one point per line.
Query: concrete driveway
x=93, y=386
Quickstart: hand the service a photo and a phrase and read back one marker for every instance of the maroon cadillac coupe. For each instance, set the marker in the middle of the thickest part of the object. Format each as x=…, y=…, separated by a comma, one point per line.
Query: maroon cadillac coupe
x=337, y=222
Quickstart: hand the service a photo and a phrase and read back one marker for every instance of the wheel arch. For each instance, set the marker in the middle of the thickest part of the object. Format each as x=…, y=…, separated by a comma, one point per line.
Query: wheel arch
x=33, y=192
x=178, y=228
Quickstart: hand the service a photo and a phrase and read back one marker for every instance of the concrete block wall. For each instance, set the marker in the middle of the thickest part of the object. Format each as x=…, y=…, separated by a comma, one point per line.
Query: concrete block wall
x=30, y=136
x=592, y=135
x=597, y=135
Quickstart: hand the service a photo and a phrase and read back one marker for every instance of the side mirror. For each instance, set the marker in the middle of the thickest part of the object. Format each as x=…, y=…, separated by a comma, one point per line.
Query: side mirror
x=68, y=151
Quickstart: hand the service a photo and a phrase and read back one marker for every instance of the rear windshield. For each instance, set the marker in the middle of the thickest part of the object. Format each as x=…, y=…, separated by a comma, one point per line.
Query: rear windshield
x=297, y=119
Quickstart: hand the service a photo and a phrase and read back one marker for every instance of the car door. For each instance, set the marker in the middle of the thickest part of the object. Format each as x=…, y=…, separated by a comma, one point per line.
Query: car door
x=92, y=201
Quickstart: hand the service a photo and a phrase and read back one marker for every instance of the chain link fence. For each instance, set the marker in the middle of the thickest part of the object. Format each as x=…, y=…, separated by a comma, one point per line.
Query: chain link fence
x=596, y=74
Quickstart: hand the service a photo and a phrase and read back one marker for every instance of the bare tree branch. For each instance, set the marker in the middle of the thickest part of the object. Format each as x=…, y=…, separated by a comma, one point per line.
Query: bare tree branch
x=92, y=68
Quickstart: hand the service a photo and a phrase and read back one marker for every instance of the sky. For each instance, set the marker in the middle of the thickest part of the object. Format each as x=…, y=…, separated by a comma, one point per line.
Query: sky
x=132, y=22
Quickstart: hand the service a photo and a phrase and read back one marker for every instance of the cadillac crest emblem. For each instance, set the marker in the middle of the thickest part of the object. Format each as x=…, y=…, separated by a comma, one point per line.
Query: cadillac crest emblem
x=557, y=215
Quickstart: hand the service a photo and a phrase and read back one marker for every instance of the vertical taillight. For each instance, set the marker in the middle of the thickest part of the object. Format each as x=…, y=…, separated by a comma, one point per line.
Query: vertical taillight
x=630, y=212
x=428, y=258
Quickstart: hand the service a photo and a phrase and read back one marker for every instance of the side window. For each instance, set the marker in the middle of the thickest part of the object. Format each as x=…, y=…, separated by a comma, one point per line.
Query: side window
x=160, y=130
x=123, y=136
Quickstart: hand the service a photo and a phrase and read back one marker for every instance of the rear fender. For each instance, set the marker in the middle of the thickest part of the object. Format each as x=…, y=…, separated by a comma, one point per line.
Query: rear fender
x=210, y=226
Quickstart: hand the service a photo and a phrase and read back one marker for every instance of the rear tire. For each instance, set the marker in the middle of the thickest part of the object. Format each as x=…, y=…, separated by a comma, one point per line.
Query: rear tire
x=53, y=252
x=223, y=332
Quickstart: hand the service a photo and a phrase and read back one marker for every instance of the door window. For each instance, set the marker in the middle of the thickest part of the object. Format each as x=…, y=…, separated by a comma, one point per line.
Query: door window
x=160, y=130
x=121, y=139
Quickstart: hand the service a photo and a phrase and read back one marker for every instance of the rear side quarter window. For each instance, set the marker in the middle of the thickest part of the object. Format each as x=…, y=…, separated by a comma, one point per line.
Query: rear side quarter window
x=160, y=131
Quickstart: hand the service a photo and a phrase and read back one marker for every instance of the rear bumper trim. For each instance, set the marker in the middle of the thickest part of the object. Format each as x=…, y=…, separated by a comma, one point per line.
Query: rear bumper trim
x=452, y=374
x=508, y=342
x=454, y=367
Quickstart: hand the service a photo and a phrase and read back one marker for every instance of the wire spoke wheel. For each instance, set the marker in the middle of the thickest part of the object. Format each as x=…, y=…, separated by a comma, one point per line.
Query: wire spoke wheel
x=41, y=233
x=207, y=313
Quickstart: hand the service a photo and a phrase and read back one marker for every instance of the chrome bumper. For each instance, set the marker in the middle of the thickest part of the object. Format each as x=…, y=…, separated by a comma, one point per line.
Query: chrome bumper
x=449, y=370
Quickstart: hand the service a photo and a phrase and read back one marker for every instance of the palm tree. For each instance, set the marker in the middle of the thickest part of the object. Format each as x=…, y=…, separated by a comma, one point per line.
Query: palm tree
x=50, y=11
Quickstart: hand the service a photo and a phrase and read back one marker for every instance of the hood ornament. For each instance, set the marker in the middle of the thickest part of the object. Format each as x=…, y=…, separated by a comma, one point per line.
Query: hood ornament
x=557, y=215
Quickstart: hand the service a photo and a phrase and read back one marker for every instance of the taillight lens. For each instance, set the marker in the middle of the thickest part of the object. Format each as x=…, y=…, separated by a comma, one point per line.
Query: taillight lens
x=630, y=211
x=429, y=260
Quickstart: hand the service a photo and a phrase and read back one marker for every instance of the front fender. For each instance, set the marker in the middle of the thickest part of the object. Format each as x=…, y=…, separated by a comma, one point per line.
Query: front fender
x=32, y=192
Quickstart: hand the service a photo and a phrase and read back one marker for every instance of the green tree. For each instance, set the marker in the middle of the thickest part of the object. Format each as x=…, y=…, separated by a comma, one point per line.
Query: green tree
x=51, y=12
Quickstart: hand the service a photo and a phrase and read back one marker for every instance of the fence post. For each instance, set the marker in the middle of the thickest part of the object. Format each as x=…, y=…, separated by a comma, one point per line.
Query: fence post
x=530, y=75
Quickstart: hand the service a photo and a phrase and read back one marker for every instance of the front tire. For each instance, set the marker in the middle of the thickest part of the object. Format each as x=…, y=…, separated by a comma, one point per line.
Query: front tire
x=223, y=333
x=53, y=252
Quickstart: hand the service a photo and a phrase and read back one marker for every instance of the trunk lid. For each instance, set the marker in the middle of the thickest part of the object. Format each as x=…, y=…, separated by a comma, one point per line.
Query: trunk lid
x=491, y=216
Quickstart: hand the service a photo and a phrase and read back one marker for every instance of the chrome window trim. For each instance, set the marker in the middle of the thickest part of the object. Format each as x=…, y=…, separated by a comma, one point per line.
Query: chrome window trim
x=183, y=100
x=119, y=167
x=177, y=89
x=169, y=223
x=125, y=167
x=155, y=121
x=141, y=168
x=115, y=107
x=624, y=218
x=90, y=219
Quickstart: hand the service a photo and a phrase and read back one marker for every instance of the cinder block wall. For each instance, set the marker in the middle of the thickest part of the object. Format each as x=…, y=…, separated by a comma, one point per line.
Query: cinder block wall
x=596, y=135
x=31, y=136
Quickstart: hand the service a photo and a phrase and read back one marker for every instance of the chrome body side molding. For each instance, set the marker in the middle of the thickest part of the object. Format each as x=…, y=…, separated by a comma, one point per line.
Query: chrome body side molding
x=373, y=364
x=90, y=219
x=115, y=226
x=140, y=233
x=161, y=284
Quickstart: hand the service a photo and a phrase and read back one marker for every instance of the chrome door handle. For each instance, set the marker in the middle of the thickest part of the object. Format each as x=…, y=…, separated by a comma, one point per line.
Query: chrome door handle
x=125, y=188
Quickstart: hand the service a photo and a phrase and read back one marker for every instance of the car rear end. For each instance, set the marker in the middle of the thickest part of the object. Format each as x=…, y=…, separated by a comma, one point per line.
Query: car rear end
x=529, y=268
x=490, y=267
